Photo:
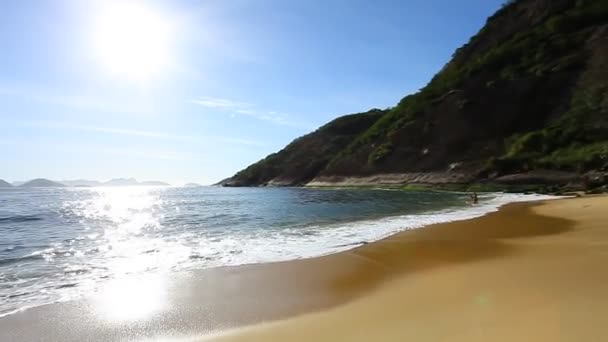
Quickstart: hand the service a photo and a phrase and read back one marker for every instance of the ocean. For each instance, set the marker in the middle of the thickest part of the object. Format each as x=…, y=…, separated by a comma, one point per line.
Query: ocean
x=58, y=244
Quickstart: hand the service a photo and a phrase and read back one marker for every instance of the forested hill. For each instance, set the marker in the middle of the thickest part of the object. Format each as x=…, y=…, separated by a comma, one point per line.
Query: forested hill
x=524, y=101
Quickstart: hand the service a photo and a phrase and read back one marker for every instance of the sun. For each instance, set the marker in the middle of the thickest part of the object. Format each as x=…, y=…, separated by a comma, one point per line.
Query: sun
x=132, y=41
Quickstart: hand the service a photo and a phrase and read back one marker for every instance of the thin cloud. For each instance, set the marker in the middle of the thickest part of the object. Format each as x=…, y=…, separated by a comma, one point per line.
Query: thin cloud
x=4, y=141
x=211, y=102
x=240, y=141
x=131, y=152
x=249, y=110
x=153, y=154
x=245, y=111
x=140, y=133
x=77, y=101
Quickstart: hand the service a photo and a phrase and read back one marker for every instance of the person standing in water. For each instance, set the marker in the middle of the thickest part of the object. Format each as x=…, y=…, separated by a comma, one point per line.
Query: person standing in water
x=474, y=198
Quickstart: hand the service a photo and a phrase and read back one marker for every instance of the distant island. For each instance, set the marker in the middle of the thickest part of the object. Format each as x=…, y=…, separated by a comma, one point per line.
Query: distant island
x=154, y=183
x=46, y=183
x=41, y=183
x=81, y=183
x=121, y=182
x=5, y=184
x=132, y=182
x=192, y=185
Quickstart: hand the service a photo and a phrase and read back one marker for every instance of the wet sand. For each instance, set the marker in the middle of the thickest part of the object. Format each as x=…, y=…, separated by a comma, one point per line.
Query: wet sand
x=521, y=273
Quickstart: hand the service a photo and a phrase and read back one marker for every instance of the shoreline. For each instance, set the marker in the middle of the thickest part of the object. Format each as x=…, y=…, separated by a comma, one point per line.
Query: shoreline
x=370, y=231
x=216, y=300
x=528, y=272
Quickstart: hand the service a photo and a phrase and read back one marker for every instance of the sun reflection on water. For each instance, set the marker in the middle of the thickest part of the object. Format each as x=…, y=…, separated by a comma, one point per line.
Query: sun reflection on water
x=130, y=208
x=135, y=254
x=131, y=298
x=131, y=238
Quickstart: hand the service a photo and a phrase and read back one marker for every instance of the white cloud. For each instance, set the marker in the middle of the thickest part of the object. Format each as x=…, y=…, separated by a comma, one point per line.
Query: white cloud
x=152, y=154
x=139, y=152
x=96, y=102
x=240, y=141
x=211, y=102
x=4, y=141
x=144, y=134
x=247, y=109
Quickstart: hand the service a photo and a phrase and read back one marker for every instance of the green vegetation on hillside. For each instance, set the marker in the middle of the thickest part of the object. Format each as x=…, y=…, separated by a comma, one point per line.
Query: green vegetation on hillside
x=305, y=157
x=528, y=91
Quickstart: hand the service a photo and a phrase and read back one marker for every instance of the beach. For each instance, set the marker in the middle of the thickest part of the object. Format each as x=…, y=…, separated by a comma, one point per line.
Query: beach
x=522, y=274
x=530, y=271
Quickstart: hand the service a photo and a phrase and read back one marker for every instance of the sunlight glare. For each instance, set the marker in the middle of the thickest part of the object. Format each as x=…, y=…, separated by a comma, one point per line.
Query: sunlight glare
x=133, y=41
x=132, y=298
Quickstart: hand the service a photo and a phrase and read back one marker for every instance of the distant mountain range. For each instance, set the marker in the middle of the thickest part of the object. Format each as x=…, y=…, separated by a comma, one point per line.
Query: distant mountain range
x=121, y=182
x=41, y=183
x=46, y=183
x=192, y=185
x=132, y=181
x=154, y=183
x=81, y=183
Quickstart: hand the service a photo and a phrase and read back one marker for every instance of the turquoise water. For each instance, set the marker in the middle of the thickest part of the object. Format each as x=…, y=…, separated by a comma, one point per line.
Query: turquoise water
x=59, y=244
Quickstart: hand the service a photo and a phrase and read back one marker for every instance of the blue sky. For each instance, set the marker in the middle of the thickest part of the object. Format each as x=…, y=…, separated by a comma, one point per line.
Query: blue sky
x=195, y=90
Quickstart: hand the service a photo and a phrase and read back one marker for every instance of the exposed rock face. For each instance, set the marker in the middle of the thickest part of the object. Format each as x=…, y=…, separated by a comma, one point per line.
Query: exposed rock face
x=427, y=178
x=539, y=177
x=527, y=96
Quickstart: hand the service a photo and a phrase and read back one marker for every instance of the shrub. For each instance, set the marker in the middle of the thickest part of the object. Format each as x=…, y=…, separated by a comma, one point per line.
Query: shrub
x=585, y=157
x=380, y=153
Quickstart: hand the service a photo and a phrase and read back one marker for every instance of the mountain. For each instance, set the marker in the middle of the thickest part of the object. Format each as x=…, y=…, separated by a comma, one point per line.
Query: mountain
x=154, y=183
x=81, y=182
x=307, y=156
x=4, y=184
x=132, y=182
x=41, y=183
x=121, y=182
x=524, y=102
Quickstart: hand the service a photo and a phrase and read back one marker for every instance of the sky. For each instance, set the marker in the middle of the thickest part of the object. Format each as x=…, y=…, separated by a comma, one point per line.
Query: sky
x=195, y=90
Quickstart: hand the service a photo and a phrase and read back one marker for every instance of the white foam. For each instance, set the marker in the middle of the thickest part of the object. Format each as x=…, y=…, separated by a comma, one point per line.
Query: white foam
x=313, y=241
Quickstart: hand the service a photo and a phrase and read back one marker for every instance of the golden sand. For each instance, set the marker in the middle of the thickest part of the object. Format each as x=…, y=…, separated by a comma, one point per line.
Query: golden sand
x=522, y=274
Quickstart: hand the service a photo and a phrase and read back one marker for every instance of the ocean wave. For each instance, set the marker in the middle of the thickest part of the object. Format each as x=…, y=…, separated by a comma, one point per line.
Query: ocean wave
x=20, y=219
x=8, y=261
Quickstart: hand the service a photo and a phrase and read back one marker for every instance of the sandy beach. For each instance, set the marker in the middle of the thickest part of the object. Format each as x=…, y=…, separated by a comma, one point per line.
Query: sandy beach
x=532, y=272
x=522, y=274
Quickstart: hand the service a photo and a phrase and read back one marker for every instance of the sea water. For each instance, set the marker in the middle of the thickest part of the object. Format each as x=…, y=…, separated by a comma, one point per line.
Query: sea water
x=58, y=244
